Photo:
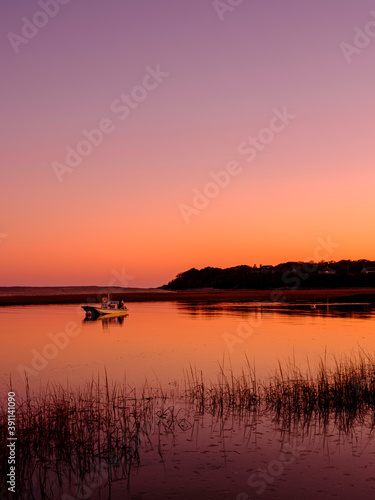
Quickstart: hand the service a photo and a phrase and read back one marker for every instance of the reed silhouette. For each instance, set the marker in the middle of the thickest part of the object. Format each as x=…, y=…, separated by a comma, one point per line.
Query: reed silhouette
x=70, y=436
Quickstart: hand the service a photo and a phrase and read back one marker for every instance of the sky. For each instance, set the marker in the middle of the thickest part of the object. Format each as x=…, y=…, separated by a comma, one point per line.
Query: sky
x=143, y=138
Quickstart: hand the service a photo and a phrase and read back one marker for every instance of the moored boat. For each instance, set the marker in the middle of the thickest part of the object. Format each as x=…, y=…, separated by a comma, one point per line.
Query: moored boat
x=108, y=308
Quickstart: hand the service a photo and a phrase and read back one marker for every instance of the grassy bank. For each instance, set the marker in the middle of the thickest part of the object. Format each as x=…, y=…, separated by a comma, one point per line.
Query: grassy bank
x=73, y=295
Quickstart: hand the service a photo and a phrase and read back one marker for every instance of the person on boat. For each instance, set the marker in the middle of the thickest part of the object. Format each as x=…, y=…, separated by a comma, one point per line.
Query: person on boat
x=121, y=304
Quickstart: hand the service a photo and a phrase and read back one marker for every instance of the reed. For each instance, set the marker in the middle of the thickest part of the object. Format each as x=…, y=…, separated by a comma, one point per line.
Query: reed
x=65, y=433
x=347, y=387
x=344, y=391
x=61, y=431
x=229, y=394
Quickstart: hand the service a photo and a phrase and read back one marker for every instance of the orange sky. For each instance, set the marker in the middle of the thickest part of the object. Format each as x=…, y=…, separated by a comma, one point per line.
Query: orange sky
x=217, y=84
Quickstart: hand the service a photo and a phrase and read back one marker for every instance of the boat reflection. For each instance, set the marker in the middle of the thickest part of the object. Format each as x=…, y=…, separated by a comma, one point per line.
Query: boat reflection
x=106, y=321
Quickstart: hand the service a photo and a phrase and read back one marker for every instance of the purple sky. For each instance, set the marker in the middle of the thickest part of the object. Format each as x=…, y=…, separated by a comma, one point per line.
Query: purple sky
x=225, y=79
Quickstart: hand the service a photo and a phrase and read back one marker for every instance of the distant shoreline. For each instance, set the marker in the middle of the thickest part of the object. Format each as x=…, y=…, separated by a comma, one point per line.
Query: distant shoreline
x=10, y=296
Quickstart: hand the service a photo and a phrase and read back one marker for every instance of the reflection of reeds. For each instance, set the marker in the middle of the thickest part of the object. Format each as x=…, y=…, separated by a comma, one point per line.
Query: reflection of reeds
x=61, y=431
x=64, y=433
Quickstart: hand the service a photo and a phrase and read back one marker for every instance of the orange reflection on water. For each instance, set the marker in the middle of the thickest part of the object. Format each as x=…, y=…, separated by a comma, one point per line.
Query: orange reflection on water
x=158, y=341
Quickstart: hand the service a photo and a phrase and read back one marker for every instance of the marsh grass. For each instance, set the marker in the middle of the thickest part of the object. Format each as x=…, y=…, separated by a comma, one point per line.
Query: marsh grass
x=344, y=391
x=64, y=433
x=229, y=394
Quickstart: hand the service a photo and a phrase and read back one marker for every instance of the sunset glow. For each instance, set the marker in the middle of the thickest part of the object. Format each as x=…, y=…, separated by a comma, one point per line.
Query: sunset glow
x=173, y=92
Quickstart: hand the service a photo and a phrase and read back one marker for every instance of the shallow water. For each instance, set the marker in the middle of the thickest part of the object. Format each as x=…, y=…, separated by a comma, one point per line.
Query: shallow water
x=248, y=459
x=205, y=456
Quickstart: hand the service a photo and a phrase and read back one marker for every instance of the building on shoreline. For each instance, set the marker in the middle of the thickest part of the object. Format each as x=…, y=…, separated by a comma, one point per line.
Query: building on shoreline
x=368, y=270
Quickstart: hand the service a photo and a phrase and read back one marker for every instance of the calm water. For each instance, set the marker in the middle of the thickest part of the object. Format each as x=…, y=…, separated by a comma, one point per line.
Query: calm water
x=158, y=341
x=208, y=457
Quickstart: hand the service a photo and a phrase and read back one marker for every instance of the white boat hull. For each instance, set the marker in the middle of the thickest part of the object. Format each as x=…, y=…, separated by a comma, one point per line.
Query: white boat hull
x=93, y=311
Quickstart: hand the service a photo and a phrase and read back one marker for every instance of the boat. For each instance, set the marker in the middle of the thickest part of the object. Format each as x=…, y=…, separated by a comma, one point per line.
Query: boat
x=108, y=308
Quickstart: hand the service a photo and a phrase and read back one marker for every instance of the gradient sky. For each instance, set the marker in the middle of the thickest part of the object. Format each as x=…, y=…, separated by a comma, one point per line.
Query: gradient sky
x=120, y=208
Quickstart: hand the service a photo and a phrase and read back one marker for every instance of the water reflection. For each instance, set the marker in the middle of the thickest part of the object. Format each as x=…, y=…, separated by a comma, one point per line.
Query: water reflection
x=167, y=445
x=86, y=447
x=335, y=309
x=164, y=339
x=106, y=322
